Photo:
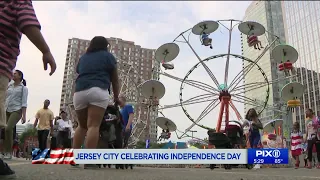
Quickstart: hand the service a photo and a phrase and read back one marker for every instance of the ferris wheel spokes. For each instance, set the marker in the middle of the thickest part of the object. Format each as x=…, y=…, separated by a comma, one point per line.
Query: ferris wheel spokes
x=194, y=83
x=203, y=114
x=251, y=102
x=252, y=87
x=194, y=100
x=226, y=73
x=245, y=98
x=202, y=63
x=256, y=85
x=239, y=77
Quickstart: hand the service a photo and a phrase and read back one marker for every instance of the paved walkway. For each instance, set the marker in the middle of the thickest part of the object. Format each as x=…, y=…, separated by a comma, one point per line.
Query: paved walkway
x=26, y=171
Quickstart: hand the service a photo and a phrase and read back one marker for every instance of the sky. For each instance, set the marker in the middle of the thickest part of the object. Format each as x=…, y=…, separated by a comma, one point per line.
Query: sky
x=149, y=24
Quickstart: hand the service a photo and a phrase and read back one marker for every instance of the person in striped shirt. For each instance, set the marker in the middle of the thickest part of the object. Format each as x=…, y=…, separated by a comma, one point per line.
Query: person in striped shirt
x=17, y=17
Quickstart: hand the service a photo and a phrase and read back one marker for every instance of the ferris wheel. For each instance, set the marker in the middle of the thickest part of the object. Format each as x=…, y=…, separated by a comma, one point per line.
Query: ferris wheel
x=129, y=81
x=153, y=90
x=223, y=95
x=130, y=87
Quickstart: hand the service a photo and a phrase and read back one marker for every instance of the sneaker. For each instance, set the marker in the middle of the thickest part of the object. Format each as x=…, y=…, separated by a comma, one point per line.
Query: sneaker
x=7, y=156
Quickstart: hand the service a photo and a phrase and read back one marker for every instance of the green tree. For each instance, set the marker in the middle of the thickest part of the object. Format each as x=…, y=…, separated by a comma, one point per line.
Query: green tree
x=27, y=133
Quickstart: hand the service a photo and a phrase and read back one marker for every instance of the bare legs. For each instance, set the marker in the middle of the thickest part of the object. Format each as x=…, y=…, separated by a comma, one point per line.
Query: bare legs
x=89, y=123
x=258, y=45
x=81, y=130
x=95, y=116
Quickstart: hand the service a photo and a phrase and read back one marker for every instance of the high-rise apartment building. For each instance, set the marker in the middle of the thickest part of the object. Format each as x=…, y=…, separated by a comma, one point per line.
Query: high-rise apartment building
x=302, y=23
x=135, y=65
x=269, y=14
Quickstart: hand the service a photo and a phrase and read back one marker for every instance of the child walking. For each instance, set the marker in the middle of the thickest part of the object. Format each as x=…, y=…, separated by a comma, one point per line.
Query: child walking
x=296, y=143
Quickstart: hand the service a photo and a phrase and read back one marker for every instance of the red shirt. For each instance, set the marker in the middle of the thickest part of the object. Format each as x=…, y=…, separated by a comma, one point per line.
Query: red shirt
x=15, y=15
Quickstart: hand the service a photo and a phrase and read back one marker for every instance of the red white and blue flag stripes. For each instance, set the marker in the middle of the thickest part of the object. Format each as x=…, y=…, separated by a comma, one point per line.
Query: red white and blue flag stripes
x=53, y=156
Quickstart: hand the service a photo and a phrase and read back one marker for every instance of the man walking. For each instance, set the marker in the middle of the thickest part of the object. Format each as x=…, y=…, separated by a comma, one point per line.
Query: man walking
x=25, y=21
x=44, y=120
x=127, y=114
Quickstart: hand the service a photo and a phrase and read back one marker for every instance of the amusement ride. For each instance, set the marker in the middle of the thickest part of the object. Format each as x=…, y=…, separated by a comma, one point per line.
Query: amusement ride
x=221, y=95
x=225, y=94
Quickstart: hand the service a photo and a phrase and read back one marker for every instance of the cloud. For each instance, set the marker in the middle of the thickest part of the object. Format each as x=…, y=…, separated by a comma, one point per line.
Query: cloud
x=148, y=24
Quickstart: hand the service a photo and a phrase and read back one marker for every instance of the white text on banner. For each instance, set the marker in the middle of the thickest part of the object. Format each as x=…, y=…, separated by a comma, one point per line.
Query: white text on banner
x=160, y=156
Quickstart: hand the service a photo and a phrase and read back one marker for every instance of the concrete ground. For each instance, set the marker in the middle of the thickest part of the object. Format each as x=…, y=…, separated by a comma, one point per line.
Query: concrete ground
x=26, y=171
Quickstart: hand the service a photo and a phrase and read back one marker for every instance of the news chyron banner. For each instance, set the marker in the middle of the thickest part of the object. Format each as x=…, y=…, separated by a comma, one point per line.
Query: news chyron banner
x=160, y=156
x=181, y=156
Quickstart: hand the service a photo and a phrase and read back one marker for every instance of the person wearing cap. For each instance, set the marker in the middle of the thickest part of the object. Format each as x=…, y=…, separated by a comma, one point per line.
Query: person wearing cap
x=64, y=131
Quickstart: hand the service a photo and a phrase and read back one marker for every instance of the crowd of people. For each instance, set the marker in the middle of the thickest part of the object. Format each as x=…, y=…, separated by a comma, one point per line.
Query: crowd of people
x=308, y=146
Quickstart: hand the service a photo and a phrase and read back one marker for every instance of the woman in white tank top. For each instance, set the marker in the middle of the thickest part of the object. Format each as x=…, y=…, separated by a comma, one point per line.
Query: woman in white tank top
x=312, y=130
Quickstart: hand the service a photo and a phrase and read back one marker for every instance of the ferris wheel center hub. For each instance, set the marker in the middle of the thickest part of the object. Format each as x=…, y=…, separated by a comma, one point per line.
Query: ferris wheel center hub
x=222, y=87
x=224, y=95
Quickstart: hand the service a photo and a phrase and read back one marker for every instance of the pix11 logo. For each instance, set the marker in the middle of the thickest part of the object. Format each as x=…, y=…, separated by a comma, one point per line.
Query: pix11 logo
x=268, y=153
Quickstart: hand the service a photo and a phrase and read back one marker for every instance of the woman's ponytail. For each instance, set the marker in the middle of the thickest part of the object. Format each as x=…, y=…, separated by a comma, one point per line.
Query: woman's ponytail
x=24, y=82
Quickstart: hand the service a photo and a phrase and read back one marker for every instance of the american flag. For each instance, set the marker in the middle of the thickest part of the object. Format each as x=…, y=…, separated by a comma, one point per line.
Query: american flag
x=53, y=156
